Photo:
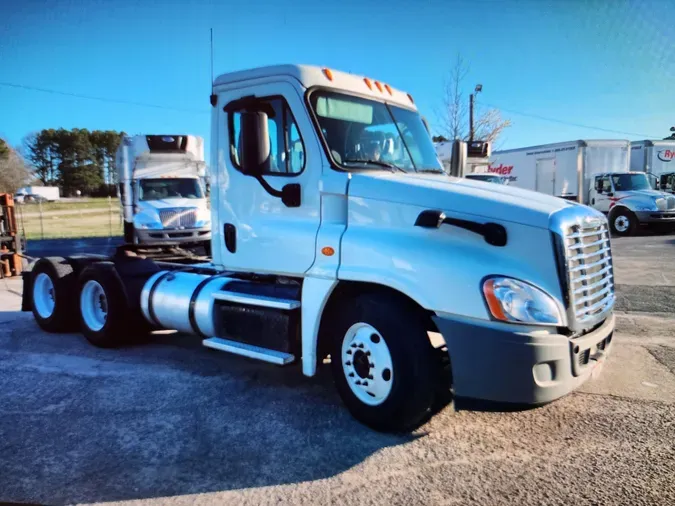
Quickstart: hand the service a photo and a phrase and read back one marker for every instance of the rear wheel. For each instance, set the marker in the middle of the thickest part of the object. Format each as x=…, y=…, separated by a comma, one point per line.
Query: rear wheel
x=52, y=290
x=103, y=306
x=383, y=364
x=623, y=222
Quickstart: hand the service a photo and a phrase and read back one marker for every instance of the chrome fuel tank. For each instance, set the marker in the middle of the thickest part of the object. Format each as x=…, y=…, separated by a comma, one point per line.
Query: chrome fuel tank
x=181, y=301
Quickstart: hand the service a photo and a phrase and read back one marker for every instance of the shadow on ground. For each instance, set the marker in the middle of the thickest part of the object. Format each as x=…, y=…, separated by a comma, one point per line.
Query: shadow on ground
x=80, y=424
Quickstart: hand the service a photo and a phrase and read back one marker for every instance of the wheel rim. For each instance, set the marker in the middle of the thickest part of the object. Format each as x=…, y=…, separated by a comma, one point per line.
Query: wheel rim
x=621, y=223
x=43, y=295
x=367, y=364
x=93, y=305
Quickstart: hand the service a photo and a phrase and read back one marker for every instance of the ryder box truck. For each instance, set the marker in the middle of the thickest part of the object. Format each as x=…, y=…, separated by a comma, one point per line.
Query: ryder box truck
x=592, y=172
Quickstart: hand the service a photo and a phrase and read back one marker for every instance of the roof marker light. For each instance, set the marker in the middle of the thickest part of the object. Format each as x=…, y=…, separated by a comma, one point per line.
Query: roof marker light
x=368, y=83
x=388, y=88
x=328, y=74
x=378, y=86
x=411, y=99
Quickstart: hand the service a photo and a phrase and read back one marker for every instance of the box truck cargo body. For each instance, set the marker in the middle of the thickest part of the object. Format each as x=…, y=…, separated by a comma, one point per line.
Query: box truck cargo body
x=592, y=172
x=656, y=158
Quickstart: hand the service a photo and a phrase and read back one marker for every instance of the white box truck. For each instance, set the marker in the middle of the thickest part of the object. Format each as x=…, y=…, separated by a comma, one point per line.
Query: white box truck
x=592, y=172
x=657, y=158
x=33, y=193
x=161, y=182
x=324, y=255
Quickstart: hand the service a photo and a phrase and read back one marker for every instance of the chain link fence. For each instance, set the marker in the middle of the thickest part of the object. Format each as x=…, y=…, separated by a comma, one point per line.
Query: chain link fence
x=70, y=218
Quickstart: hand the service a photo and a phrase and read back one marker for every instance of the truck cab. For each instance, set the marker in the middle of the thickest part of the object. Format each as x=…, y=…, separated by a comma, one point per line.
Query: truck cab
x=628, y=198
x=339, y=241
x=164, y=199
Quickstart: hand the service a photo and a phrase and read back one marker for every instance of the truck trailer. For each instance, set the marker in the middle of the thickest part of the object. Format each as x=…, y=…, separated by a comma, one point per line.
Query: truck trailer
x=161, y=183
x=325, y=254
x=592, y=172
x=656, y=158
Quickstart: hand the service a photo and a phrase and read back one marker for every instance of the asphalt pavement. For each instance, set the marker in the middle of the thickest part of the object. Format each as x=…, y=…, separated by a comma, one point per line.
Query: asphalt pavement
x=171, y=422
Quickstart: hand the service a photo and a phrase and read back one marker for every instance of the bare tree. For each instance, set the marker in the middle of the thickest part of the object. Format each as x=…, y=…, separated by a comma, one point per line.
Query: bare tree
x=454, y=118
x=13, y=172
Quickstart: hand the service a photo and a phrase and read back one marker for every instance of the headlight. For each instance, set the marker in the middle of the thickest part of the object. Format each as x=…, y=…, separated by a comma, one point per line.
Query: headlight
x=645, y=207
x=660, y=204
x=514, y=301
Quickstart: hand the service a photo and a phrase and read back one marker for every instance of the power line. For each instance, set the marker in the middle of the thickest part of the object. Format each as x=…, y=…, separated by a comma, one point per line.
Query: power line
x=569, y=123
x=101, y=99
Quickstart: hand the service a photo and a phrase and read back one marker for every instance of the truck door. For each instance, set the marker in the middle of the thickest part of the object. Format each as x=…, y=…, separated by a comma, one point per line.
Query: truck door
x=601, y=194
x=545, y=178
x=257, y=231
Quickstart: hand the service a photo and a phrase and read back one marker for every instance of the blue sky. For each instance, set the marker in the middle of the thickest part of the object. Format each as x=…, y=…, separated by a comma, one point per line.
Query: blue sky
x=607, y=64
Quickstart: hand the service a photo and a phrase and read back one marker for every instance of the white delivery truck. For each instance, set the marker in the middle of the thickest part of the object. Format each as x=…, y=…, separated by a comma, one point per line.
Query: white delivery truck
x=161, y=181
x=592, y=172
x=656, y=158
x=320, y=255
x=45, y=193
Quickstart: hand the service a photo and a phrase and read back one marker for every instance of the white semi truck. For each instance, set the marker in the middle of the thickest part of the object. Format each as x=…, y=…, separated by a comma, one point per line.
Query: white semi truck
x=656, y=158
x=162, y=188
x=323, y=252
x=592, y=172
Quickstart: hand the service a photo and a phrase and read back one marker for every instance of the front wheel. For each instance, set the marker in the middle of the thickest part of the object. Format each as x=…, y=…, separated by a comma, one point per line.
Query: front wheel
x=383, y=364
x=623, y=222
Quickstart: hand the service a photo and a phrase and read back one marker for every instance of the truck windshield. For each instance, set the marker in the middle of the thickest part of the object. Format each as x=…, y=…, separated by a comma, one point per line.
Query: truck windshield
x=174, y=188
x=630, y=182
x=366, y=134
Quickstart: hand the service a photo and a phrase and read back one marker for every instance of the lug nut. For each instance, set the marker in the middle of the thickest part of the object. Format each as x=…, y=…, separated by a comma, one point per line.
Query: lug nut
x=349, y=352
x=351, y=374
x=367, y=354
x=365, y=383
x=348, y=362
x=360, y=345
x=358, y=382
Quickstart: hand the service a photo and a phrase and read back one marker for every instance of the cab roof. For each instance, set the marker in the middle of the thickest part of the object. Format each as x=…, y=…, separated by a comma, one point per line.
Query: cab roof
x=310, y=75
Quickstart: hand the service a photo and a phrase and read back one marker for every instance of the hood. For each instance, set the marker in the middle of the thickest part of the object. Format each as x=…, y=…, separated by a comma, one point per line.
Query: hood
x=644, y=193
x=172, y=203
x=487, y=200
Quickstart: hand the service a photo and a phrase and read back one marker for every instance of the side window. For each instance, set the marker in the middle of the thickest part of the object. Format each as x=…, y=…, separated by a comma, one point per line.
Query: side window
x=606, y=186
x=287, y=151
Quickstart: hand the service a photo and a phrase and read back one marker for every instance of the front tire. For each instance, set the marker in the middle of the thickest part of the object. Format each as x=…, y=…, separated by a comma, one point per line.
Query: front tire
x=623, y=222
x=52, y=288
x=383, y=364
x=103, y=306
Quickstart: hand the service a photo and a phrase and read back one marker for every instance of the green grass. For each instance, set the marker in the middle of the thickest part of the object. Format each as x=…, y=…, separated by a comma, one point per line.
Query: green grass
x=84, y=203
x=54, y=226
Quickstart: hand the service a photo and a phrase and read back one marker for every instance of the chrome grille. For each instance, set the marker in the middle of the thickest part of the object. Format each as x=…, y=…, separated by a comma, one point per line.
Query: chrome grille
x=589, y=269
x=178, y=218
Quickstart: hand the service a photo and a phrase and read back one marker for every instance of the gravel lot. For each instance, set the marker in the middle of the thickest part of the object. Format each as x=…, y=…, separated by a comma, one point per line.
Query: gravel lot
x=170, y=422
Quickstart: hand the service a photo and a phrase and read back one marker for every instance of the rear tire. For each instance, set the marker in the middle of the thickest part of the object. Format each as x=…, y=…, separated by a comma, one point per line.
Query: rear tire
x=53, y=290
x=623, y=222
x=104, y=310
x=383, y=364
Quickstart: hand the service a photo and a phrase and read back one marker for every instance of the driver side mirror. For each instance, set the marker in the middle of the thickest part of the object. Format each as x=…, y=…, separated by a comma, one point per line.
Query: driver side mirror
x=254, y=143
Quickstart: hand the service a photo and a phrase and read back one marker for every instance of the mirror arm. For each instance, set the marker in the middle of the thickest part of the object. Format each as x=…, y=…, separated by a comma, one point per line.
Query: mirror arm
x=272, y=191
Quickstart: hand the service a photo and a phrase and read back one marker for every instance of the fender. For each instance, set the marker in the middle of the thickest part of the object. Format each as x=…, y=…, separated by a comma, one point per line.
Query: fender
x=315, y=294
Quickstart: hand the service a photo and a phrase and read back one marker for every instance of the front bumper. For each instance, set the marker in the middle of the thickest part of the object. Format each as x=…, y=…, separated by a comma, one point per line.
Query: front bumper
x=499, y=362
x=190, y=235
x=656, y=216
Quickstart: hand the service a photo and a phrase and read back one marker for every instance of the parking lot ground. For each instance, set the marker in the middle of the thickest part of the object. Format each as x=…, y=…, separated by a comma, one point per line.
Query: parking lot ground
x=170, y=422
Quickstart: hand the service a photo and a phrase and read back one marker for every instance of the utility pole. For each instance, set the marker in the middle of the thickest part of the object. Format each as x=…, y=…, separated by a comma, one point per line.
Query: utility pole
x=479, y=88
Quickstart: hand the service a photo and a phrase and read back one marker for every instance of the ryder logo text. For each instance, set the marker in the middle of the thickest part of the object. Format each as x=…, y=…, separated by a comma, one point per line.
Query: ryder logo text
x=504, y=170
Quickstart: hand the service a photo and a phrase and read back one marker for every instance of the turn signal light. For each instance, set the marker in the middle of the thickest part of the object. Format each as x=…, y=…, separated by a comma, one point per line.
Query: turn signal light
x=328, y=251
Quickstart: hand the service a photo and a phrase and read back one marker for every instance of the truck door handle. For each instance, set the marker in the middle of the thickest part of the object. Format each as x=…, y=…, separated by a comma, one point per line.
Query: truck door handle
x=230, y=233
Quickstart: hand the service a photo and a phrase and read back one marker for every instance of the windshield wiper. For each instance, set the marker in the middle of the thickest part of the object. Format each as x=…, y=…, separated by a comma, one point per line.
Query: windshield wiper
x=380, y=163
x=430, y=171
